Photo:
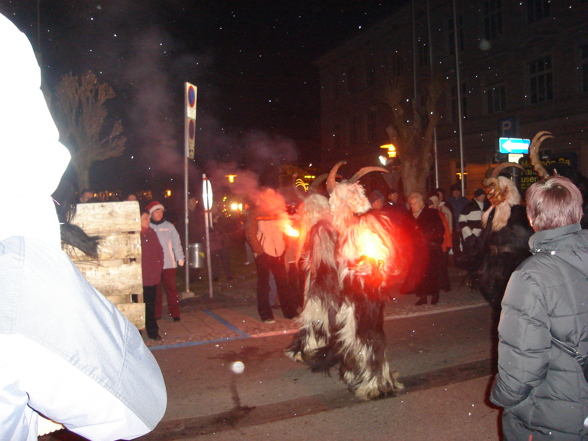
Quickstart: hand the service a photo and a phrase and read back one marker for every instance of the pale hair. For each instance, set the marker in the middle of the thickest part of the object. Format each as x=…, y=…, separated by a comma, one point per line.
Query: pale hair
x=553, y=203
x=417, y=196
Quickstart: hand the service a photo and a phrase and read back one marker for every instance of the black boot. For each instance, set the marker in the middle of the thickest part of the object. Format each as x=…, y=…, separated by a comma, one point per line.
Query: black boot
x=435, y=299
x=421, y=301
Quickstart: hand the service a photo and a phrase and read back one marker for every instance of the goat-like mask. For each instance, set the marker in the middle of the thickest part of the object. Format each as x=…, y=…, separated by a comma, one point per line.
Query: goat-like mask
x=494, y=193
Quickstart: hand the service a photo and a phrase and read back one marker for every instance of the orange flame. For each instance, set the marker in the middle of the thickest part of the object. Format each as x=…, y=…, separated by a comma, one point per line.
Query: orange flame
x=289, y=231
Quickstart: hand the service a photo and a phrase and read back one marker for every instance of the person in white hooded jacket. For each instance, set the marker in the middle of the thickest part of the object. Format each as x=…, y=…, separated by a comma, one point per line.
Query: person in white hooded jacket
x=68, y=355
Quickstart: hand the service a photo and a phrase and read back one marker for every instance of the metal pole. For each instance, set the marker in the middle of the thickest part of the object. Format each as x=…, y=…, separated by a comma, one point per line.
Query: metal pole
x=207, y=211
x=430, y=37
x=459, y=109
x=186, y=226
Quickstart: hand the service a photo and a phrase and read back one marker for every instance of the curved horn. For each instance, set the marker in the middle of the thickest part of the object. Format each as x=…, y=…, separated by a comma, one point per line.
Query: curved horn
x=498, y=169
x=534, y=153
x=314, y=186
x=364, y=171
x=331, y=177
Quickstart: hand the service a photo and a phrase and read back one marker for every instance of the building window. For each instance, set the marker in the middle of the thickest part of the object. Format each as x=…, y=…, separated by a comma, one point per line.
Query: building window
x=464, y=102
x=372, y=126
x=352, y=80
x=537, y=10
x=451, y=34
x=371, y=77
x=397, y=67
x=353, y=131
x=337, y=137
x=337, y=85
x=492, y=19
x=584, y=55
x=423, y=55
x=540, y=80
x=496, y=96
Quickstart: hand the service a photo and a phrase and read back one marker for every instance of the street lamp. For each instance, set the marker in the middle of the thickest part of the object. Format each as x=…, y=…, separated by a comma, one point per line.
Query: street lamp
x=393, y=162
x=391, y=150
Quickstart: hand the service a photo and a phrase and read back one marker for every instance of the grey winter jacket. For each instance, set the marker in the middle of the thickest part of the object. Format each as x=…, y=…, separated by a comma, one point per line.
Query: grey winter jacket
x=543, y=390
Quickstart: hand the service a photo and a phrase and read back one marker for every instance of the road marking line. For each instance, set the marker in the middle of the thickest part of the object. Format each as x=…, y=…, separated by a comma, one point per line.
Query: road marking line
x=243, y=335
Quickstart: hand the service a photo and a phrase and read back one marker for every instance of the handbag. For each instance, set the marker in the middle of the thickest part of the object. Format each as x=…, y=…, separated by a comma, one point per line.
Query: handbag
x=567, y=349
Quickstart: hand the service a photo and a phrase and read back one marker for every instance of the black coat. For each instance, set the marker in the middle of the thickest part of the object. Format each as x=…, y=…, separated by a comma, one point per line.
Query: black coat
x=428, y=233
x=502, y=252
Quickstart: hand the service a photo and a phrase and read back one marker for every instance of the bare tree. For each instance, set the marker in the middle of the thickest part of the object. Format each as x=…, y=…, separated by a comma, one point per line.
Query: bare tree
x=413, y=121
x=81, y=104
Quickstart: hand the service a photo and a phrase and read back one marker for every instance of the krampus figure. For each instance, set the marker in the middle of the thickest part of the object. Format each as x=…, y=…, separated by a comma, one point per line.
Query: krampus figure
x=351, y=260
x=321, y=291
x=505, y=236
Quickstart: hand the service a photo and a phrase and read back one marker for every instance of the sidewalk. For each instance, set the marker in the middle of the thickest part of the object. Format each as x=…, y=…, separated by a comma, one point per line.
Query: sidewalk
x=231, y=313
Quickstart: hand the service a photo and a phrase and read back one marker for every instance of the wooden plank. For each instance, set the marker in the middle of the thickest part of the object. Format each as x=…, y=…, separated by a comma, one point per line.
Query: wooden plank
x=112, y=246
x=117, y=272
x=114, y=277
x=119, y=299
x=134, y=312
x=102, y=218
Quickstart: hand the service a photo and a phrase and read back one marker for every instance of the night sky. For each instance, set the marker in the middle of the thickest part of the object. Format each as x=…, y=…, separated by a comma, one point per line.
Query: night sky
x=252, y=61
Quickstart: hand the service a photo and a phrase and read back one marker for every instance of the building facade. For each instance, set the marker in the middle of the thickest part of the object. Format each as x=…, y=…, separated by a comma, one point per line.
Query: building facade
x=523, y=68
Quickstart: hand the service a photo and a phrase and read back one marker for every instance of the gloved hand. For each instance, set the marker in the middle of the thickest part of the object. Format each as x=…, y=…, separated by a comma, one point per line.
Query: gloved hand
x=181, y=262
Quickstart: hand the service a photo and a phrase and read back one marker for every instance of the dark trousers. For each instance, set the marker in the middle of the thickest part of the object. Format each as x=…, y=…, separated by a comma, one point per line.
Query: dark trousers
x=220, y=259
x=168, y=279
x=150, y=297
x=295, y=284
x=267, y=264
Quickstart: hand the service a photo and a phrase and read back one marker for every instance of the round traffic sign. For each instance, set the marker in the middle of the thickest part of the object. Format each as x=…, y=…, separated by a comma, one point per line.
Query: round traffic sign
x=191, y=96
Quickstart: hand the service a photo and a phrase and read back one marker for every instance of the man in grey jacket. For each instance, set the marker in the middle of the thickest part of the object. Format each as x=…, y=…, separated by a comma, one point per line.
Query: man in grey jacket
x=542, y=389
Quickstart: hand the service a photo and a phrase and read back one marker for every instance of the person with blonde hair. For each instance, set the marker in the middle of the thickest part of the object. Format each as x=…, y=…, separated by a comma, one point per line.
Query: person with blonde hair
x=542, y=388
x=428, y=235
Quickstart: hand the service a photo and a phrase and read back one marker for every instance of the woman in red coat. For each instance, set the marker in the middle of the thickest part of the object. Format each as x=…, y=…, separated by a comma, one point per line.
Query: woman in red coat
x=152, y=266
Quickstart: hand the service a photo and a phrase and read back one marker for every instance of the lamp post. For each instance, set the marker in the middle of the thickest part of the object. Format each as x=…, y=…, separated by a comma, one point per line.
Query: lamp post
x=392, y=162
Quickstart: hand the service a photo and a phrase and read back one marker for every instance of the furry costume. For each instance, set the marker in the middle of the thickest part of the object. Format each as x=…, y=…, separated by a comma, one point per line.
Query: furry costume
x=350, y=261
x=505, y=237
x=321, y=291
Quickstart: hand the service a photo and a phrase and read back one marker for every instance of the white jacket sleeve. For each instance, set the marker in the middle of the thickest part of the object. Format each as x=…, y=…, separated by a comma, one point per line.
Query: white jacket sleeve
x=71, y=355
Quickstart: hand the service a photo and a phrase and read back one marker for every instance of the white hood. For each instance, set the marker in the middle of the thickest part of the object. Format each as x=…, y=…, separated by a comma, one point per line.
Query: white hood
x=32, y=160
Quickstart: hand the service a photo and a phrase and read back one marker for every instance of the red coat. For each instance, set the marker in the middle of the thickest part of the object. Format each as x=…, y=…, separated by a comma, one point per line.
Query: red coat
x=151, y=257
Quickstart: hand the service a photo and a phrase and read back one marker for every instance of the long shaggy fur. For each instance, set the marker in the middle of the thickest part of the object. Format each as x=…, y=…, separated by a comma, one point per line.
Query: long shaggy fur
x=505, y=240
x=351, y=260
x=322, y=298
x=505, y=249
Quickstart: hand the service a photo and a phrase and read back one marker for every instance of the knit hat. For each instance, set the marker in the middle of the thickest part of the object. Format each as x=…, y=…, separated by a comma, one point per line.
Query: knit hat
x=375, y=196
x=155, y=205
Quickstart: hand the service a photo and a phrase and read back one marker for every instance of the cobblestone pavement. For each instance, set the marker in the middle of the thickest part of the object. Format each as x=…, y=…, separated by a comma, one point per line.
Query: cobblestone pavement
x=231, y=312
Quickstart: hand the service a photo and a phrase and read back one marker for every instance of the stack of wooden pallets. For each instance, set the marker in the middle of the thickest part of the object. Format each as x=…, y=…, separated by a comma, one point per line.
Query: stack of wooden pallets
x=117, y=272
